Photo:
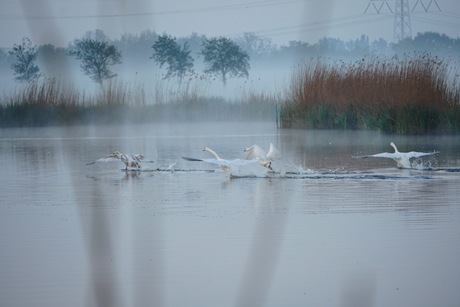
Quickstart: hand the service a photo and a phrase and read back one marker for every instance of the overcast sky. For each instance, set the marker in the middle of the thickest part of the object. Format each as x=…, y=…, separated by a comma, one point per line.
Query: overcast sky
x=60, y=21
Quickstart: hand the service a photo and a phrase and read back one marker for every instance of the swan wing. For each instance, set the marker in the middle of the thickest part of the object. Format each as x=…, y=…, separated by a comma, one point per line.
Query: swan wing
x=192, y=159
x=109, y=158
x=224, y=163
x=255, y=151
x=137, y=157
x=141, y=158
x=416, y=154
x=273, y=153
x=220, y=162
x=389, y=155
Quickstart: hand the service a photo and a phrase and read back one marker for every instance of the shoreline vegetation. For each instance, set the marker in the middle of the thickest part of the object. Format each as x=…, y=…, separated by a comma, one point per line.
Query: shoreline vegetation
x=414, y=95
x=49, y=103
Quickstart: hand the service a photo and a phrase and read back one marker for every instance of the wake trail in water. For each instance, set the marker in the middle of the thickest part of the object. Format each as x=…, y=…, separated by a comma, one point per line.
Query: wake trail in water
x=293, y=171
x=312, y=175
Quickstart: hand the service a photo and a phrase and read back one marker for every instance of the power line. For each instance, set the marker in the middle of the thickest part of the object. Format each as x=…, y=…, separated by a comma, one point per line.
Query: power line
x=426, y=7
x=437, y=22
x=320, y=25
x=238, y=6
x=402, y=27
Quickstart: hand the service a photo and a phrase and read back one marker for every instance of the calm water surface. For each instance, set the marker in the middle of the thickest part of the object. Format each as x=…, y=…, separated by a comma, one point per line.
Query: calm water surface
x=334, y=231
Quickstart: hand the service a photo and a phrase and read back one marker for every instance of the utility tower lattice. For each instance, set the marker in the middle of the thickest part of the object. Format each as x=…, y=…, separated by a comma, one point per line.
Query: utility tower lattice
x=402, y=26
x=402, y=22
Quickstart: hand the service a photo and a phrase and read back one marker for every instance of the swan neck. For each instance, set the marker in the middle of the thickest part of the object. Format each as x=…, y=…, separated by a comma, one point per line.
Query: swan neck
x=213, y=152
x=394, y=146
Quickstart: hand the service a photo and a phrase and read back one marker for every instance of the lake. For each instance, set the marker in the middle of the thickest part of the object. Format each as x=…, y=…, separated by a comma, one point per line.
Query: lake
x=329, y=230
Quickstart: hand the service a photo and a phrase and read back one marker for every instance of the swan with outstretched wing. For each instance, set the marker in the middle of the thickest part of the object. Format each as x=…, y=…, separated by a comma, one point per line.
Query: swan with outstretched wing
x=131, y=162
x=265, y=159
x=231, y=167
x=403, y=159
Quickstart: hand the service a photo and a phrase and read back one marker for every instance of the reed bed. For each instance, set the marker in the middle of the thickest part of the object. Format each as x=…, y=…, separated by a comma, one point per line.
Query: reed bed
x=49, y=102
x=414, y=94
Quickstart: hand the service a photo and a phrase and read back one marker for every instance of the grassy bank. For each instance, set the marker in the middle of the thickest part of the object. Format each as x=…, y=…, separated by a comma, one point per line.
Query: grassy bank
x=411, y=95
x=51, y=103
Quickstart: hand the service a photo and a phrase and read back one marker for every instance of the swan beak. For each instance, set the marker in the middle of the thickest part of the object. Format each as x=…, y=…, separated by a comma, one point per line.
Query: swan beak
x=269, y=165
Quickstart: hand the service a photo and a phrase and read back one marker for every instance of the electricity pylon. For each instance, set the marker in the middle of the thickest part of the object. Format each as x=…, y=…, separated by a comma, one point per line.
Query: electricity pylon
x=402, y=24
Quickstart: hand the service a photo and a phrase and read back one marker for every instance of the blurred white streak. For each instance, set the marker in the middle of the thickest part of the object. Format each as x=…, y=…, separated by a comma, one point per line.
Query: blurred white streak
x=101, y=252
x=48, y=31
x=266, y=246
x=317, y=10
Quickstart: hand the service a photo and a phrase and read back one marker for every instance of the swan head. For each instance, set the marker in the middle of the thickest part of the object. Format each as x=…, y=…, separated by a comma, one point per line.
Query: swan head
x=268, y=164
x=212, y=152
x=117, y=154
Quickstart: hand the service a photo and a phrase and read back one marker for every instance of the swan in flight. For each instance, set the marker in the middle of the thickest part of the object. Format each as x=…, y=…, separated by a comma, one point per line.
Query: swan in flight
x=228, y=166
x=265, y=159
x=402, y=158
x=132, y=162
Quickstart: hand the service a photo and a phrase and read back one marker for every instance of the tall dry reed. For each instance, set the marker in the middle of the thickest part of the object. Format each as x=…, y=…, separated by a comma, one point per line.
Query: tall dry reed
x=48, y=102
x=406, y=95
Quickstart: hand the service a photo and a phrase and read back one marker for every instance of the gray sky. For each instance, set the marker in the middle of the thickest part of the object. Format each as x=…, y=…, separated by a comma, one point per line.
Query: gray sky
x=60, y=21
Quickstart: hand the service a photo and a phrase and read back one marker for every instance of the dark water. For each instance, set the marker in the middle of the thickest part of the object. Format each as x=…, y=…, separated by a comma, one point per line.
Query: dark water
x=333, y=231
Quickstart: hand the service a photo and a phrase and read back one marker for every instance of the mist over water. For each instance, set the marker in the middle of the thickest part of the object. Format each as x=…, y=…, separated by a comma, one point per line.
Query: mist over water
x=323, y=230
x=333, y=231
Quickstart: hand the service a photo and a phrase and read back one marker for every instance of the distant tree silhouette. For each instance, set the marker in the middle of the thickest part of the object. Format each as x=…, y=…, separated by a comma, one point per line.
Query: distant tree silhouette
x=331, y=46
x=380, y=47
x=96, y=56
x=178, y=59
x=24, y=67
x=296, y=49
x=359, y=46
x=53, y=60
x=431, y=42
x=254, y=45
x=136, y=48
x=194, y=41
x=224, y=57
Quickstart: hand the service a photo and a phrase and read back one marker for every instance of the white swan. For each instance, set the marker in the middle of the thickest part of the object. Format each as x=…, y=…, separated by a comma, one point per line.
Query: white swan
x=229, y=166
x=402, y=158
x=132, y=162
x=265, y=159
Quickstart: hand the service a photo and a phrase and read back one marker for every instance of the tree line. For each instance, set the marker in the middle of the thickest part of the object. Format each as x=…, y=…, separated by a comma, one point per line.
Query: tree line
x=222, y=57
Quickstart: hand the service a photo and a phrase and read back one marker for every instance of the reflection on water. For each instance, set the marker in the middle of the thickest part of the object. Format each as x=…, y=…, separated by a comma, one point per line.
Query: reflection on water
x=331, y=231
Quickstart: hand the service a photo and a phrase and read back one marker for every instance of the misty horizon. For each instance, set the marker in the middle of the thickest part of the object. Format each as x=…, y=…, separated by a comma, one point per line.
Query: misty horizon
x=58, y=23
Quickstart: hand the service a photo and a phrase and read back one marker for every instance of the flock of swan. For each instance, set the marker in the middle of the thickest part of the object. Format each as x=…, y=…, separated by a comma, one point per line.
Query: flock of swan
x=256, y=154
x=253, y=154
x=228, y=166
